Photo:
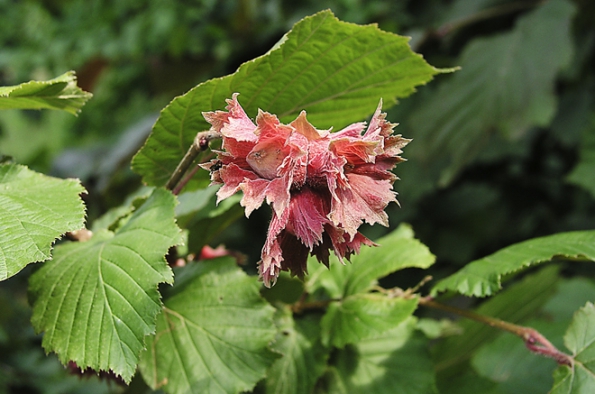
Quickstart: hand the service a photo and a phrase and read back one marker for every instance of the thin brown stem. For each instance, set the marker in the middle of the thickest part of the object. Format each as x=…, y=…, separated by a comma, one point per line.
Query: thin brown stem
x=534, y=341
x=302, y=306
x=200, y=143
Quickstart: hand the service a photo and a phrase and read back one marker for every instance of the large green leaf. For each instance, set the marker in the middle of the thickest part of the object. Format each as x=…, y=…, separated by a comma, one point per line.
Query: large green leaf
x=34, y=210
x=303, y=358
x=59, y=93
x=213, y=334
x=506, y=84
x=396, y=362
x=97, y=300
x=482, y=277
x=580, y=340
x=362, y=316
x=336, y=71
x=396, y=251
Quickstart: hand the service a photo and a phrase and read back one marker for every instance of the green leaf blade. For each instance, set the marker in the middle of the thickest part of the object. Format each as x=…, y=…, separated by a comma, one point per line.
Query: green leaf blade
x=362, y=316
x=60, y=93
x=396, y=362
x=334, y=70
x=303, y=358
x=482, y=277
x=212, y=335
x=396, y=251
x=34, y=210
x=97, y=300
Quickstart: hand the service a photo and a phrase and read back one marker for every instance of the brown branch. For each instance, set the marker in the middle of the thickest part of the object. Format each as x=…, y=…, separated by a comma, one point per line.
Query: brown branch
x=302, y=306
x=533, y=339
x=200, y=144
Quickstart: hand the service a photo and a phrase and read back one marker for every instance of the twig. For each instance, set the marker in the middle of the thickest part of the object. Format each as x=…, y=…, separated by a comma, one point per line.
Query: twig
x=302, y=306
x=200, y=143
x=534, y=341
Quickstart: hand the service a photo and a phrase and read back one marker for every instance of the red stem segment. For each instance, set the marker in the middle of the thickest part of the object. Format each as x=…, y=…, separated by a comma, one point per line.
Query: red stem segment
x=534, y=341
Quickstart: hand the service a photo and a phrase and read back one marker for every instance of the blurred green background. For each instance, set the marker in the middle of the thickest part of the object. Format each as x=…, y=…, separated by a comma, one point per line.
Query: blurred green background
x=503, y=150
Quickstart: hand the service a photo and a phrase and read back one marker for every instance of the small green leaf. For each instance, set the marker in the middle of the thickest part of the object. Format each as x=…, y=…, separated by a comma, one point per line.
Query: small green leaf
x=60, y=93
x=396, y=251
x=97, y=300
x=34, y=210
x=334, y=70
x=396, y=362
x=362, y=316
x=580, y=340
x=213, y=334
x=303, y=358
x=506, y=84
x=482, y=277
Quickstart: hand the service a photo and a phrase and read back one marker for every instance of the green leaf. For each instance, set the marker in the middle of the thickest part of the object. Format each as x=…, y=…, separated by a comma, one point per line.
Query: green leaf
x=482, y=277
x=362, y=316
x=580, y=340
x=506, y=83
x=304, y=357
x=60, y=93
x=396, y=362
x=583, y=173
x=212, y=335
x=97, y=300
x=115, y=217
x=34, y=210
x=396, y=251
x=334, y=70
x=516, y=303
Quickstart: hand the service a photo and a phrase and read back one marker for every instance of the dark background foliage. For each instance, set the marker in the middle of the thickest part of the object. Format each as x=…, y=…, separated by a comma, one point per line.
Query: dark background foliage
x=136, y=55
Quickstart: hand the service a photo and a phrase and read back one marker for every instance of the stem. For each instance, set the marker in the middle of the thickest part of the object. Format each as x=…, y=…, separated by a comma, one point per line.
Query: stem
x=302, y=306
x=534, y=341
x=200, y=143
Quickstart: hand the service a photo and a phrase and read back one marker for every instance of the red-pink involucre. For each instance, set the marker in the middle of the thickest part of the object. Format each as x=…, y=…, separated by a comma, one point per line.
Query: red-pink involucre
x=322, y=186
